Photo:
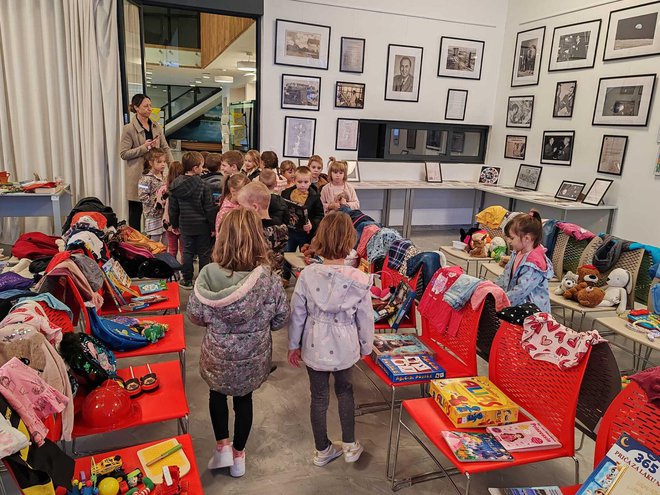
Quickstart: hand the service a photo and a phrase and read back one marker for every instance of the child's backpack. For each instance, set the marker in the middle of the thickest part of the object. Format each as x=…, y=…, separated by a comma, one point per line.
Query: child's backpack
x=91, y=362
x=34, y=245
x=91, y=204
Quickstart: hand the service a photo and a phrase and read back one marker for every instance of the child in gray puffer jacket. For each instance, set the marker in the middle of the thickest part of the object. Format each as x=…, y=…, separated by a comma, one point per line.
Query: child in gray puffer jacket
x=240, y=300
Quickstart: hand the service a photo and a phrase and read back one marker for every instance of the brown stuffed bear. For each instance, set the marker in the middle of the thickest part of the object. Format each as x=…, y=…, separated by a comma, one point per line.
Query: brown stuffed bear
x=590, y=297
x=504, y=260
x=588, y=276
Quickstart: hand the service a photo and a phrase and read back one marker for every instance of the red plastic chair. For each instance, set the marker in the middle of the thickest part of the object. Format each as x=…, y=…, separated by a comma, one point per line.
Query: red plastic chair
x=545, y=392
x=630, y=412
x=392, y=278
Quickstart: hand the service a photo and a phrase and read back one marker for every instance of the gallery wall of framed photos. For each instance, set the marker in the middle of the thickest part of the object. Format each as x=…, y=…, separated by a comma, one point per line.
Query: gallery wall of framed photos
x=578, y=96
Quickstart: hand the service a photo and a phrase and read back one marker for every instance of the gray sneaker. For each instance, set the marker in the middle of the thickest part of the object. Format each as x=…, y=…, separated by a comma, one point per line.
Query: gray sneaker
x=322, y=457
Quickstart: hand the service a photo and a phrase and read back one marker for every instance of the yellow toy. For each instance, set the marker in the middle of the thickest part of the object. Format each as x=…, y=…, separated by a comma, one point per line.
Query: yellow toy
x=108, y=486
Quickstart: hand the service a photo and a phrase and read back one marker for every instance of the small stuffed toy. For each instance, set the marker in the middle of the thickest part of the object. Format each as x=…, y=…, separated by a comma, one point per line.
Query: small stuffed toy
x=497, y=248
x=504, y=260
x=588, y=276
x=479, y=246
x=619, y=285
x=568, y=282
x=590, y=297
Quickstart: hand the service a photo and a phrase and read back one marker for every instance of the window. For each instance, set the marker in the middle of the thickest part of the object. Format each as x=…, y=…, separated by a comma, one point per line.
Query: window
x=171, y=27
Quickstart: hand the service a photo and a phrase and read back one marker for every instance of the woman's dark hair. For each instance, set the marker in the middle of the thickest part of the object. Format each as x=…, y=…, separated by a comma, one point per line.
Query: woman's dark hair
x=529, y=223
x=136, y=101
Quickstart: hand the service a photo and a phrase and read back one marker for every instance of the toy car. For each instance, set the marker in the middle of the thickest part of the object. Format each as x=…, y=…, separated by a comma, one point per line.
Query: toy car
x=106, y=466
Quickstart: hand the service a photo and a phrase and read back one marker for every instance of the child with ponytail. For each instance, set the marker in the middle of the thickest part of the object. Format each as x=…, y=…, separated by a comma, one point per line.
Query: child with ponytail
x=150, y=191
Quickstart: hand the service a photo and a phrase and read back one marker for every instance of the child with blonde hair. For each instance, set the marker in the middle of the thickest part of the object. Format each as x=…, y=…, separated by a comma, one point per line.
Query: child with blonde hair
x=288, y=171
x=338, y=192
x=319, y=179
x=331, y=327
x=228, y=202
x=252, y=164
x=239, y=300
x=150, y=192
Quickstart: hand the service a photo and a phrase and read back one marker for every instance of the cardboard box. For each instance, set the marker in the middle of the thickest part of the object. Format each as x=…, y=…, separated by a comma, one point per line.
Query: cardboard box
x=473, y=402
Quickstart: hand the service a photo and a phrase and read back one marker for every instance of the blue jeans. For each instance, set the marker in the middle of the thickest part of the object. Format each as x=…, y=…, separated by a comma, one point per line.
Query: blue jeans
x=296, y=239
x=199, y=245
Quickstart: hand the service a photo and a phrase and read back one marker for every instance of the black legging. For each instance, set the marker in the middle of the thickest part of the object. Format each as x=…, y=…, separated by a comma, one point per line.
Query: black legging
x=135, y=215
x=242, y=417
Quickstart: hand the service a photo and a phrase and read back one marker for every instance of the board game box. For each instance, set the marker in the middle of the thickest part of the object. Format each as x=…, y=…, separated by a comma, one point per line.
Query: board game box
x=473, y=402
x=410, y=368
x=475, y=447
x=390, y=344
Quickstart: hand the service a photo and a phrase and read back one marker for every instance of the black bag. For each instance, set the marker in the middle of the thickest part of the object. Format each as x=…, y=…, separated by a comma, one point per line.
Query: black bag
x=91, y=204
x=155, y=268
x=609, y=252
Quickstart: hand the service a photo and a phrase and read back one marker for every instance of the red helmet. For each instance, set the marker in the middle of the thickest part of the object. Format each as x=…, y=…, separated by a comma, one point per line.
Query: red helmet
x=108, y=406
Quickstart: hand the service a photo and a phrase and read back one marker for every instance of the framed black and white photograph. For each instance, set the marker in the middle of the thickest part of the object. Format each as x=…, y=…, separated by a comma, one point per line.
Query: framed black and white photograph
x=574, y=46
x=349, y=95
x=461, y=58
x=527, y=57
x=352, y=171
x=301, y=44
x=300, y=92
x=299, y=135
x=351, y=58
x=456, y=103
x=302, y=162
x=404, y=71
x=347, y=134
x=557, y=148
x=519, y=111
x=569, y=190
x=528, y=177
x=515, y=147
x=612, y=154
x=564, y=99
x=633, y=32
x=597, y=192
x=489, y=175
x=433, y=171
x=624, y=100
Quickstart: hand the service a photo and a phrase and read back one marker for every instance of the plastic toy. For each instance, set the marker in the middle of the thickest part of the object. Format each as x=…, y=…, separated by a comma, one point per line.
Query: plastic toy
x=172, y=484
x=108, y=486
x=146, y=488
x=149, y=381
x=132, y=385
x=134, y=478
x=106, y=466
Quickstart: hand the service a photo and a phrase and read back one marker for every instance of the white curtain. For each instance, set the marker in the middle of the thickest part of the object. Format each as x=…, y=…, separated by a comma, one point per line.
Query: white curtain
x=60, y=99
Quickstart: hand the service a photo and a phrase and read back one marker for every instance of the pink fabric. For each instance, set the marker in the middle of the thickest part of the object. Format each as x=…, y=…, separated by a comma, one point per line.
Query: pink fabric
x=30, y=396
x=649, y=381
x=440, y=314
x=225, y=208
x=537, y=256
x=174, y=246
x=575, y=231
x=330, y=192
x=367, y=233
x=68, y=268
x=488, y=287
x=547, y=340
x=31, y=314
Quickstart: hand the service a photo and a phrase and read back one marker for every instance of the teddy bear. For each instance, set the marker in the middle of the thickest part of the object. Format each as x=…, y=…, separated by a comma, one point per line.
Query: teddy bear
x=479, y=246
x=588, y=276
x=568, y=282
x=497, y=248
x=590, y=297
x=504, y=260
x=619, y=285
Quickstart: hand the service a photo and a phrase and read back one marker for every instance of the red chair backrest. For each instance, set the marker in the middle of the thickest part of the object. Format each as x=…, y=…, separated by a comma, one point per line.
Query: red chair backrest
x=541, y=388
x=391, y=278
x=630, y=412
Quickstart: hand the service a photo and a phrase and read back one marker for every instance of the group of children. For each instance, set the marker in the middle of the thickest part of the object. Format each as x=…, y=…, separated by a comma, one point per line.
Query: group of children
x=239, y=297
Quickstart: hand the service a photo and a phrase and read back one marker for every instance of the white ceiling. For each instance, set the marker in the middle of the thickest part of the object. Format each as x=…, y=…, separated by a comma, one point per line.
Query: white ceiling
x=223, y=65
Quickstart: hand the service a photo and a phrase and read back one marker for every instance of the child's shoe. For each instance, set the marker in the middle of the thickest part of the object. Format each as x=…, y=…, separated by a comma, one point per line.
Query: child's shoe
x=222, y=457
x=352, y=451
x=186, y=284
x=237, y=469
x=322, y=457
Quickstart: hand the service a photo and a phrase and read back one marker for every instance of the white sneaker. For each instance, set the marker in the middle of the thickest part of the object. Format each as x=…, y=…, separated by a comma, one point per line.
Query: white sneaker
x=352, y=451
x=237, y=469
x=223, y=457
x=322, y=457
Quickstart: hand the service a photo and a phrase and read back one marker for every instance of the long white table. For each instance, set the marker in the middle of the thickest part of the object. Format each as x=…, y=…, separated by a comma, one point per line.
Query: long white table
x=55, y=206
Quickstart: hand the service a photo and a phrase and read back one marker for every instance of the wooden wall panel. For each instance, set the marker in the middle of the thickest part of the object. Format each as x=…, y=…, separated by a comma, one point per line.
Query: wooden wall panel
x=218, y=32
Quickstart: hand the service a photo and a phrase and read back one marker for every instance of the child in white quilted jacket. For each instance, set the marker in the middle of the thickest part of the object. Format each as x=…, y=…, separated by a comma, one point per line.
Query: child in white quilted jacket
x=331, y=327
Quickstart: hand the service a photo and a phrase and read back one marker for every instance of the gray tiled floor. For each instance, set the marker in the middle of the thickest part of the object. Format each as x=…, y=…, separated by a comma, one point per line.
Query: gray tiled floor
x=280, y=447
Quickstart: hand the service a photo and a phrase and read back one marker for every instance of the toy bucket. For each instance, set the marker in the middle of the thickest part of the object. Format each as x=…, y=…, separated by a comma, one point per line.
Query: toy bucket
x=4, y=177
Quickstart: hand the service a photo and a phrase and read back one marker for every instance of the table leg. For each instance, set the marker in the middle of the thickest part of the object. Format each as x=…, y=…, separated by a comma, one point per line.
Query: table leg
x=385, y=216
x=564, y=215
x=57, y=215
x=481, y=204
x=610, y=220
x=389, y=441
x=408, y=213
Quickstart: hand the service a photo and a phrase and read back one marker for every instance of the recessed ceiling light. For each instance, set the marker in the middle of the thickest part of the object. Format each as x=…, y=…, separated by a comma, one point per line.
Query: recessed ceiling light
x=149, y=72
x=246, y=65
x=224, y=79
x=164, y=91
x=192, y=85
x=198, y=81
x=206, y=75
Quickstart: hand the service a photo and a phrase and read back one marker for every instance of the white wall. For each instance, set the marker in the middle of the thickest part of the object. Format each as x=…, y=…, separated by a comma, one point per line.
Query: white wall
x=636, y=191
x=418, y=23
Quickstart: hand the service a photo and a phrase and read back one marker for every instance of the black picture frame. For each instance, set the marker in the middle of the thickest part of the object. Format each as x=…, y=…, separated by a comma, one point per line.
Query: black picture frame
x=357, y=137
x=538, y=53
x=523, y=124
x=581, y=186
x=460, y=74
x=449, y=94
x=519, y=185
x=436, y=174
x=601, y=194
x=620, y=120
x=623, y=155
x=353, y=175
x=555, y=154
x=302, y=154
x=279, y=58
x=292, y=106
x=633, y=51
x=341, y=54
x=590, y=57
x=511, y=138
x=556, y=108
x=342, y=101
x=402, y=95
x=490, y=175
